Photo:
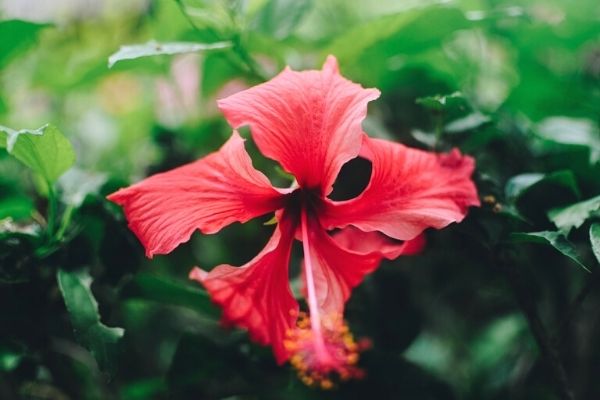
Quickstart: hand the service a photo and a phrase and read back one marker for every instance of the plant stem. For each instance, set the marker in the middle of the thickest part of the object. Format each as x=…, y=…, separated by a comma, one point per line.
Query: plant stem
x=548, y=350
x=438, y=120
x=186, y=15
x=64, y=222
x=248, y=64
x=52, y=210
x=252, y=66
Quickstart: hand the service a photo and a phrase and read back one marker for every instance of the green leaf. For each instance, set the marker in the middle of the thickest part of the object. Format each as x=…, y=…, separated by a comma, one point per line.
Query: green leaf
x=99, y=339
x=3, y=105
x=595, y=240
x=571, y=131
x=10, y=357
x=486, y=80
x=519, y=185
x=16, y=36
x=16, y=207
x=439, y=102
x=467, y=123
x=153, y=48
x=401, y=33
x=216, y=72
x=44, y=150
x=527, y=194
x=573, y=216
x=8, y=228
x=279, y=18
x=76, y=184
x=555, y=239
x=427, y=138
x=143, y=389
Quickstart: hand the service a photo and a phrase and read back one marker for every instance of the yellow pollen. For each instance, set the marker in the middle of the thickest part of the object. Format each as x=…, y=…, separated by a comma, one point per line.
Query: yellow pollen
x=352, y=358
x=325, y=358
x=326, y=384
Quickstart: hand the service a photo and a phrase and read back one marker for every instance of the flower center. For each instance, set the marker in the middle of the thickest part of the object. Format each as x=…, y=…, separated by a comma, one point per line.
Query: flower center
x=324, y=357
x=321, y=346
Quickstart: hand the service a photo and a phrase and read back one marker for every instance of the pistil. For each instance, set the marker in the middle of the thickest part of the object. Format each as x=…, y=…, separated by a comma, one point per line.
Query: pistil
x=313, y=306
x=321, y=347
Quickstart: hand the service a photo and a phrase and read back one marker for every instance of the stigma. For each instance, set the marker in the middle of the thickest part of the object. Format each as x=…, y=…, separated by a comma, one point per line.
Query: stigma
x=324, y=357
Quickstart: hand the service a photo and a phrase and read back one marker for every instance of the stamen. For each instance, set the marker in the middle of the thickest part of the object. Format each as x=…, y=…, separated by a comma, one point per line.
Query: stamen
x=311, y=289
x=342, y=352
x=322, y=348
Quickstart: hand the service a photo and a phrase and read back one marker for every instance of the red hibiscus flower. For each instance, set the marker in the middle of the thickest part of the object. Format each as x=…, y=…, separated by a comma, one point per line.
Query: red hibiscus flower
x=310, y=122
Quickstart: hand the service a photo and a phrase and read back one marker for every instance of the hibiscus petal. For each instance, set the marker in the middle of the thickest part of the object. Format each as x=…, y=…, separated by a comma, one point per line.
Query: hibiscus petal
x=337, y=269
x=257, y=295
x=208, y=194
x=357, y=241
x=309, y=121
x=410, y=190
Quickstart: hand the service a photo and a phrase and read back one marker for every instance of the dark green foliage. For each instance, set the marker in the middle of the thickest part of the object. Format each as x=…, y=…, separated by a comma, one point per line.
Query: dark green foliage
x=99, y=339
x=502, y=306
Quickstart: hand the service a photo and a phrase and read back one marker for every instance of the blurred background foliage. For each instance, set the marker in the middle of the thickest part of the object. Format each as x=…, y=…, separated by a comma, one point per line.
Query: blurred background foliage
x=504, y=305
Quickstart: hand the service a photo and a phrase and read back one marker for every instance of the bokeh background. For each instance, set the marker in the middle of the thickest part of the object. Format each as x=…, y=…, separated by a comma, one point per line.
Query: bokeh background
x=503, y=306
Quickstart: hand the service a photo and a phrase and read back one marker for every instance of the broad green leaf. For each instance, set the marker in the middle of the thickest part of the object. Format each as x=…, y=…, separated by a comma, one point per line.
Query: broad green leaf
x=76, y=184
x=100, y=340
x=17, y=207
x=595, y=240
x=16, y=36
x=527, y=194
x=384, y=49
x=427, y=138
x=575, y=215
x=153, y=48
x=404, y=32
x=555, y=239
x=571, y=131
x=45, y=150
x=467, y=123
x=279, y=18
x=519, y=185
